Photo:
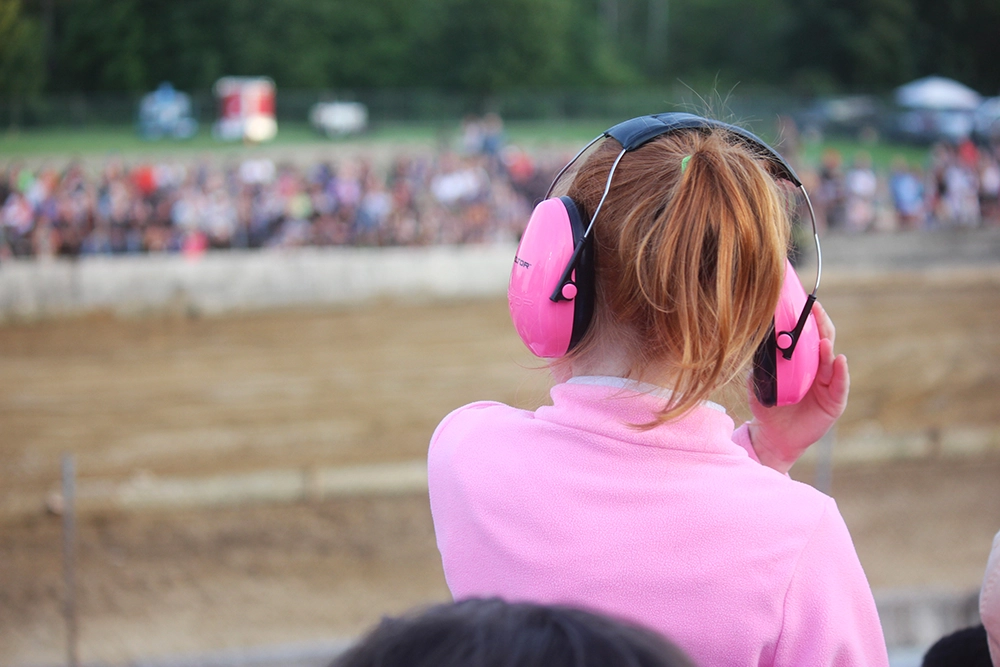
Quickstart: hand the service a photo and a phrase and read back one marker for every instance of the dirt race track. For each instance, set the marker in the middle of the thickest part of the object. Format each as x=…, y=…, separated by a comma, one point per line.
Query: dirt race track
x=177, y=396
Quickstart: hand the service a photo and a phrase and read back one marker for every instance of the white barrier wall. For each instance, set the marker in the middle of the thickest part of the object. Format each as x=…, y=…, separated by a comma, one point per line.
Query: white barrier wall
x=248, y=280
x=228, y=281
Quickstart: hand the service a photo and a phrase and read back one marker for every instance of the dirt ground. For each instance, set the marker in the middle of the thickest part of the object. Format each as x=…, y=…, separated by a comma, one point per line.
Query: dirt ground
x=187, y=396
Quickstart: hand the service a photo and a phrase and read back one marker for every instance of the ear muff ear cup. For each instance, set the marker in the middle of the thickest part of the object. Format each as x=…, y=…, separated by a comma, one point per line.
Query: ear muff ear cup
x=778, y=380
x=550, y=328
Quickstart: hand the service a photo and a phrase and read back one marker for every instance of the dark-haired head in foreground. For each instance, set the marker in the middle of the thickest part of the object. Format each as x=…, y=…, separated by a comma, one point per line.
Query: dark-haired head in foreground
x=494, y=633
x=967, y=647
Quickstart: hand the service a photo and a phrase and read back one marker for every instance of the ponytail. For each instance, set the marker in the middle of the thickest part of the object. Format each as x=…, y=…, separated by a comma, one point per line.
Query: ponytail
x=690, y=245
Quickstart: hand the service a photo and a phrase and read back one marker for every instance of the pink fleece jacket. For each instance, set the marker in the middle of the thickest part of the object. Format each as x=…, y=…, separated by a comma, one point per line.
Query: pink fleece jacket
x=675, y=527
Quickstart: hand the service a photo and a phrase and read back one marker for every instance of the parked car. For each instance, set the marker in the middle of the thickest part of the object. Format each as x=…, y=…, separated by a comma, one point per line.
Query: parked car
x=166, y=113
x=925, y=126
x=338, y=119
x=986, y=121
x=856, y=116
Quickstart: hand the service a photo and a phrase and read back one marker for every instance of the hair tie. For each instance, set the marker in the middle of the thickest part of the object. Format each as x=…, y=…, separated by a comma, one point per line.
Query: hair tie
x=684, y=162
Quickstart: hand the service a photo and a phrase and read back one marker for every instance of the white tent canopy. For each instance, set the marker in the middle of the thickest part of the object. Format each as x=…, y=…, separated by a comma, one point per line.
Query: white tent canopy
x=937, y=92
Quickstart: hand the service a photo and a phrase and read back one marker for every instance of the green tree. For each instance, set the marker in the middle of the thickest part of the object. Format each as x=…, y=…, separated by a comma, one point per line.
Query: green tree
x=737, y=40
x=487, y=47
x=879, y=46
x=100, y=46
x=958, y=38
x=132, y=45
x=22, y=61
x=816, y=44
x=189, y=44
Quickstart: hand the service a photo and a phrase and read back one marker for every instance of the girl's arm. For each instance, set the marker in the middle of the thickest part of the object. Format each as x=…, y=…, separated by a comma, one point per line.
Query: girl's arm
x=829, y=616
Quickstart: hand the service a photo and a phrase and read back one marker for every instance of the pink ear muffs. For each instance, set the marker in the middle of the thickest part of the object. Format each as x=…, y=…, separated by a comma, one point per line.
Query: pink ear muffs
x=551, y=328
x=786, y=361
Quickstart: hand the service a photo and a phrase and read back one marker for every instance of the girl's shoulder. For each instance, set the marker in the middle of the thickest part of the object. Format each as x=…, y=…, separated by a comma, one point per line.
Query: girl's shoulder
x=476, y=415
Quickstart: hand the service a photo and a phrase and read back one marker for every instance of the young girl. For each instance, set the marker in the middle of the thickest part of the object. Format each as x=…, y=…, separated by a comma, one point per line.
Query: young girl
x=633, y=494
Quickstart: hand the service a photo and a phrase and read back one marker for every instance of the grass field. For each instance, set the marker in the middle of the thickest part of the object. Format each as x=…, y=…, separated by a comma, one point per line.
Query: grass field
x=65, y=143
x=881, y=153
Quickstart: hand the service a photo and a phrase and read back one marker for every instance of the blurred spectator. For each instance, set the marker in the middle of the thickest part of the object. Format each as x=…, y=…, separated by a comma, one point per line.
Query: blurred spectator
x=989, y=188
x=471, y=135
x=789, y=141
x=961, y=195
x=955, y=195
x=830, y=198
x=860, y=188
x=907, y=195
x=493, y=137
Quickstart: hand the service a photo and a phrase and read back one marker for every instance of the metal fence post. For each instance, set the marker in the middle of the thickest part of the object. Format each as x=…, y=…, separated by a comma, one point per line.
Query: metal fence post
x=69, y=558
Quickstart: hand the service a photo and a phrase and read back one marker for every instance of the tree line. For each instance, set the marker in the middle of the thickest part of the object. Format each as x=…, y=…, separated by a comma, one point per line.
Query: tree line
x=492, y=46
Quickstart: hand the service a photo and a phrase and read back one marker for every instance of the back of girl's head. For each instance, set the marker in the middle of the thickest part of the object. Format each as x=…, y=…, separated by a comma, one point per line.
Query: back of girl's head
x=494, y=633
x=690, y=248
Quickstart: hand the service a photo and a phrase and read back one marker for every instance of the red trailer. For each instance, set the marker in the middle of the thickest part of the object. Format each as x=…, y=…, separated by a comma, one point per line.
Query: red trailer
x=246, y=109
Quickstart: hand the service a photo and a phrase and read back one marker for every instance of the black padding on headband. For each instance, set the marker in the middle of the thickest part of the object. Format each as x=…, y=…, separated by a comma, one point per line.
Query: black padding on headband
x=635, y=132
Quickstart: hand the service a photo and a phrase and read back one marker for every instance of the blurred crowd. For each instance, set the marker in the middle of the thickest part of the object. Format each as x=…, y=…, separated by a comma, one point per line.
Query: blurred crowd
x=958, y=187
x=477, y=190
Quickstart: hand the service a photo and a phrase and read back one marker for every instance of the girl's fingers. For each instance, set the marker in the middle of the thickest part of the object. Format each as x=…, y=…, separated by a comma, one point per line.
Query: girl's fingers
x=824, y=372
x=839, y=386
x=840, y=383
x=824, y=323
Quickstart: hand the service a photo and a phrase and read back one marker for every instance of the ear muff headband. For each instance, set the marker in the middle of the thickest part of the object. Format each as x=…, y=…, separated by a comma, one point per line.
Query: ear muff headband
x=633, y=133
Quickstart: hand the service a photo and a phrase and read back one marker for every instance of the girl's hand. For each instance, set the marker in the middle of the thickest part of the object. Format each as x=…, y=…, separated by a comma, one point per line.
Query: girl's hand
x=781, y=434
